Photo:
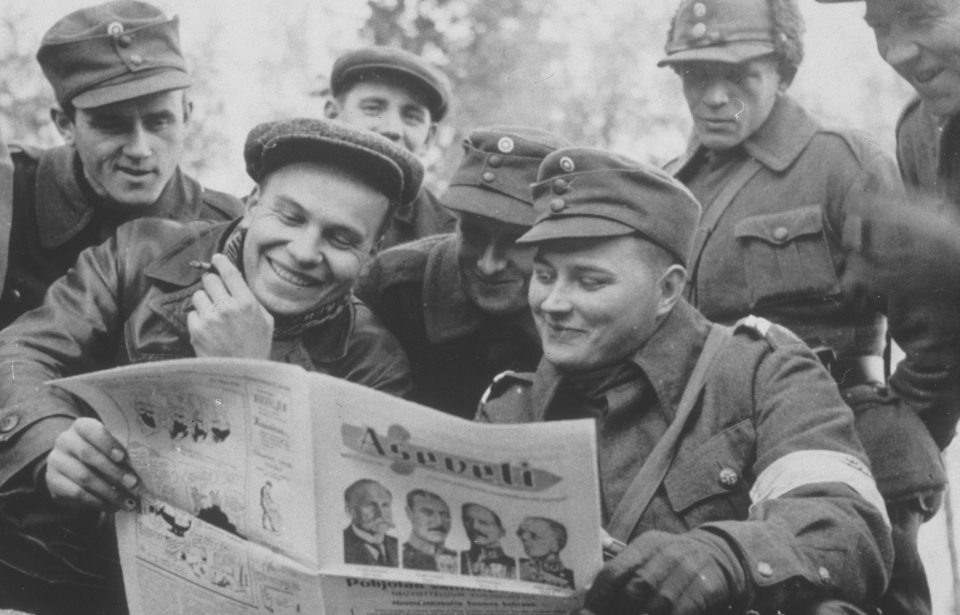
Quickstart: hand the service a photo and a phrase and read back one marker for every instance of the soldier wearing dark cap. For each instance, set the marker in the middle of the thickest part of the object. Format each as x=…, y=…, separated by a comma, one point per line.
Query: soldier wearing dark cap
x=780, y=192
x=738, y=488
x=120, y=82
x=402, y=97
x=275, y=284
x=458, y=302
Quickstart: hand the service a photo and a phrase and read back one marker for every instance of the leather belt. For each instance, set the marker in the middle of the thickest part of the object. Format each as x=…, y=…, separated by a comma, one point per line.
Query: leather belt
x=852, y=371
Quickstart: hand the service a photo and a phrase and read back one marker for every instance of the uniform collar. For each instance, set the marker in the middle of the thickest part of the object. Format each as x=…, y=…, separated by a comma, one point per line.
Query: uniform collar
x=778, y=142
x=667, y=360
x=65, y=206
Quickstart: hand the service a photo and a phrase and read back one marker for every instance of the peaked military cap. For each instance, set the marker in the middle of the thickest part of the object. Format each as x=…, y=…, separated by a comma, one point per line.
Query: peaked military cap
x=386, y=166
x=380, y=61
x=585, y=192
x=499, y=165
x=731, y=31
x=112, y=52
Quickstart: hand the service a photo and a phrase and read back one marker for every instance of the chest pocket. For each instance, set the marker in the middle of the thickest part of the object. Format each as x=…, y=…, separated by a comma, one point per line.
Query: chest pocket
x=708, y=483
x=786, y=256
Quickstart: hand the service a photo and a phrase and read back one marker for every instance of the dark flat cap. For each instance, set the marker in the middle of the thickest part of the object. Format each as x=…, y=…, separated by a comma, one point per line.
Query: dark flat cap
x=499, y=165
x=731, y=31
x=585, y=192
x=387, y=167
x=384, y=62
x=112, y=52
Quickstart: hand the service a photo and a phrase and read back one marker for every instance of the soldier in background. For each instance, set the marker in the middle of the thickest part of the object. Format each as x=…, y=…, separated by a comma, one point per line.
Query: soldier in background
x=123, y=111
x=779, y=192
x=402, y=97
x=458, y=302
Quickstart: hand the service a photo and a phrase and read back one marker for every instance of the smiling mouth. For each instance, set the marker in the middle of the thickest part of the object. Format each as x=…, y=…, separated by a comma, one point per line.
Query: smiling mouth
x=135, y=172
x=293, y=277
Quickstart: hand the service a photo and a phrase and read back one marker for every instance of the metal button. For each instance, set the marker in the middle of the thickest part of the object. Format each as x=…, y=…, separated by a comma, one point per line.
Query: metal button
x=489, y=176
x=124, y=41
x=566, y=163
x=495, y=161
x=557, y=205
x=9, y=423
x=765, y=569
x=115, y=28
x=15, y=295
x=699, y=9
x=780, y=233
x=505, y=145
x=561, y=186
x=728, y=478
x=136, y=59
x=824, y=574
x=698, y=29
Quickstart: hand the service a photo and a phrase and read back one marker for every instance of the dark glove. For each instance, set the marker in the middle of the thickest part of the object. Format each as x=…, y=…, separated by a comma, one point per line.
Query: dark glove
x=668, y=574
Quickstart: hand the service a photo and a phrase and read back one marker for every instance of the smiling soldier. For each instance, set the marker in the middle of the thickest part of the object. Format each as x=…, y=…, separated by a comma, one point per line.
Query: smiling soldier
x=273, y=285
x=458, y=302
x=768, y=504
x=123, y=112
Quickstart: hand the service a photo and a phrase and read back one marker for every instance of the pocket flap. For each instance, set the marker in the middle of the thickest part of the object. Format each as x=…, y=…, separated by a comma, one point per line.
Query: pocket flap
x=782, y=227
x=714, y=468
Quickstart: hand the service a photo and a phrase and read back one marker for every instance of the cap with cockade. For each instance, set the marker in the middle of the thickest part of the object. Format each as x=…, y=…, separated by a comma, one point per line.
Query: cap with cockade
x=112, y=52
x=386, y=166
x=584, y=192
x=731, y=31
x=498, y=167
x=384, y=62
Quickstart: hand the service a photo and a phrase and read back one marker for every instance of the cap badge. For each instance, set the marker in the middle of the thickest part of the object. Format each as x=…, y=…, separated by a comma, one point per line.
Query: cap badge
x=566, y=163
x=699, y=9
x=698, y=29
x=505, y=145
x=115, y=28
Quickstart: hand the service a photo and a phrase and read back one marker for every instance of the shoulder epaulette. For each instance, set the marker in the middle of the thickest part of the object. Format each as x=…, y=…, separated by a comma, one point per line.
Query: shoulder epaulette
x=502, y=383
x=776, y=335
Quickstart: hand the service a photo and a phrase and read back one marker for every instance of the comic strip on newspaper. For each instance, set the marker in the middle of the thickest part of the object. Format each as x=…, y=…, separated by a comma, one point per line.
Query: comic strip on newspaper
x=271, y=490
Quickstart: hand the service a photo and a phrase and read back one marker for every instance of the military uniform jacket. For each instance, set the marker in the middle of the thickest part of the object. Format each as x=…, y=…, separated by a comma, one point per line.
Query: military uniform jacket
x=455, y=350
x=424, y=217
x=51, y=215
x=127, y=302
x=769, y=459
x=780, y=251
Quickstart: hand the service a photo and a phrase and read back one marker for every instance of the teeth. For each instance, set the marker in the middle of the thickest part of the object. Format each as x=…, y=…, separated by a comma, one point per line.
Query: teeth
x=293, y=278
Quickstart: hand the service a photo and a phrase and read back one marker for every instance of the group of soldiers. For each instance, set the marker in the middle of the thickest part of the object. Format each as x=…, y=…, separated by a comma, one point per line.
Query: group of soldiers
x=718, y=319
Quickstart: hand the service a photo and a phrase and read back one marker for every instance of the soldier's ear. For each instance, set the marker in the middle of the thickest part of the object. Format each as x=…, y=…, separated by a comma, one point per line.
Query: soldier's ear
x=331, y=109
x=671, y=284
x=65, y=126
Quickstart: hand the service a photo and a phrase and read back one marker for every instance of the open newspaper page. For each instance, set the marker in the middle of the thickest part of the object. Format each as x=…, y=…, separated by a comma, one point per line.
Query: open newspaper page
x=390, y=508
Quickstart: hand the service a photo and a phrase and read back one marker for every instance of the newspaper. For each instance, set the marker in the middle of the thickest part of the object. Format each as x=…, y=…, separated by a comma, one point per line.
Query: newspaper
x=268, y=489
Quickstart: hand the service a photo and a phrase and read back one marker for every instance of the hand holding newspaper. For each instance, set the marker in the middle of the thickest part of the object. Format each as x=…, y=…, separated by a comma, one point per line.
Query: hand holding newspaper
x=271, y=490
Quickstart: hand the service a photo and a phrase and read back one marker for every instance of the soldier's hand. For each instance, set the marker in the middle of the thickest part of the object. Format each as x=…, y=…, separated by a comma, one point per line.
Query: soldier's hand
x=668, y=574
x=228, y=321
x=88, y=468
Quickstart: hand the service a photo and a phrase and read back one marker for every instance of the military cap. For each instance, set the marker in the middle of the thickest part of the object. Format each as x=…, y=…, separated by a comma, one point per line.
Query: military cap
x=585, y=192
x=111, y=52
x=381, y=61
x=731, y=31
x=386, y=166
x=498, y=166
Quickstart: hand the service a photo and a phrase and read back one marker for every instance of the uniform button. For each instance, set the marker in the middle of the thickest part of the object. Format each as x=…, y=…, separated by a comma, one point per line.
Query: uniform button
x=136, y=59
x=9, y=423
x=699, y=9
x=698, y=29
x=489, y=176
x=765, y=569
x=495, y=161
x=124, y=41
x=780, y=233
x=728, y=478
x=557, y=205
x=15, y=295
x=560, y=186
x=566, y=163
x=824, y=574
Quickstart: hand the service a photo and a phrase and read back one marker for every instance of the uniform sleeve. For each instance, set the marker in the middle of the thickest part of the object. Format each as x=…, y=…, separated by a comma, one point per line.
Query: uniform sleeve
x=817, y=523
x=75, y=331
x=375, y=357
